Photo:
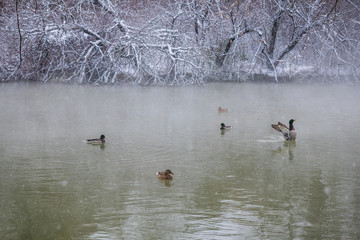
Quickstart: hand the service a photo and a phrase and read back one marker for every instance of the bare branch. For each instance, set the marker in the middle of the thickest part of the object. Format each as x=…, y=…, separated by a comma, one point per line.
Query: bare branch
x=19, y=31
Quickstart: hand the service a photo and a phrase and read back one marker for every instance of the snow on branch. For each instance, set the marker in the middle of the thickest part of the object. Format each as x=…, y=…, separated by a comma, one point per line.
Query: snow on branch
x=176, y=42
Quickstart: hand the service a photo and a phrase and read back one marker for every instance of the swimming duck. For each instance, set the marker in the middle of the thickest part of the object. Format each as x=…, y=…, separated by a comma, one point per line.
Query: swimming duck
x=100, y=140
x=164, y=175
x=220, y=109
x=288, y=132
x=224, y=127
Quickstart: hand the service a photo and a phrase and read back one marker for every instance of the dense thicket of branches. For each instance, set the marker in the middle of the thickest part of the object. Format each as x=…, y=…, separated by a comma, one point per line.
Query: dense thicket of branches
x=178, y=41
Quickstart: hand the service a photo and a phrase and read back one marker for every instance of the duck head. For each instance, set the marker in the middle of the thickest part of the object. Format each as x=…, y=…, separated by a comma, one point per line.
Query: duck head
x=292, y=121
x=168, y=172
x=291, y=126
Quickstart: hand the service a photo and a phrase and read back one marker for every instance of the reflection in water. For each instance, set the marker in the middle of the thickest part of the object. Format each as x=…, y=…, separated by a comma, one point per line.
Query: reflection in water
x=222, y=132
x=53, y=186
x=288, y=147
x=291, y=145
x=100, y=145
x=166, y=182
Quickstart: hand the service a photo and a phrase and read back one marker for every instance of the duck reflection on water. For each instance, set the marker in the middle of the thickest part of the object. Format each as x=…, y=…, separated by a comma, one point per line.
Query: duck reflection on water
x=166, y=182
x=288, y=146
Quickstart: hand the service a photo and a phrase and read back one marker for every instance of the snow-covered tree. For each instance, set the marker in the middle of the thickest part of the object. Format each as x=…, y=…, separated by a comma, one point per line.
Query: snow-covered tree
x=178, y=41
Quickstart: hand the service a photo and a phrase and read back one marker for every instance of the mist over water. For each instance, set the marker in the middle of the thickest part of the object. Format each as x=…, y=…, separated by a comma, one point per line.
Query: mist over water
x=245, y=183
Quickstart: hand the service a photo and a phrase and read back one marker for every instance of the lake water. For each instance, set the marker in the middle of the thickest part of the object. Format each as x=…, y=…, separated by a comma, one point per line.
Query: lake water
x=245, y=183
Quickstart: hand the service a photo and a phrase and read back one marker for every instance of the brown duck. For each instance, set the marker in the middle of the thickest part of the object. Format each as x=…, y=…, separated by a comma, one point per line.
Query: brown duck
x=220, y=109
x=164, y=175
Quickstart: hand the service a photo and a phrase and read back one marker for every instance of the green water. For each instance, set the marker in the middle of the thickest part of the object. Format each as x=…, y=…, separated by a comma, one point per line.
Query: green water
x=245, y=183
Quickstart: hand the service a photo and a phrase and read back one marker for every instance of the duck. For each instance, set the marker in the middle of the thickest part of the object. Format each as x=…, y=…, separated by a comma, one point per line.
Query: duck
x=220, y=109
x=100, y=140
x=224, y=127
x=288, y=132
x=165, y=175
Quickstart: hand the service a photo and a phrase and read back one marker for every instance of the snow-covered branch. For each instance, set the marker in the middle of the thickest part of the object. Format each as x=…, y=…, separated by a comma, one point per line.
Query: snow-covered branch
x=175, y=42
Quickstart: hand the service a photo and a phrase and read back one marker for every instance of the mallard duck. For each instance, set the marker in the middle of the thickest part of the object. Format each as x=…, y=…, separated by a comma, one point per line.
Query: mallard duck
x=100, y=140
x=288, y=132
x=224, y=127
x=164, y=175
x=220, y=109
